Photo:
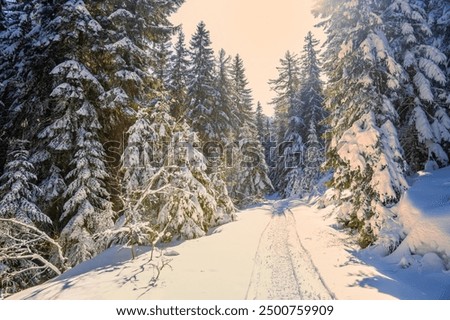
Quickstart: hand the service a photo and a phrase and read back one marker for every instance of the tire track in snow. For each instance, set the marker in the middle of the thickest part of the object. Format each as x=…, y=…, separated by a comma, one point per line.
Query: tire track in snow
x=283, y=269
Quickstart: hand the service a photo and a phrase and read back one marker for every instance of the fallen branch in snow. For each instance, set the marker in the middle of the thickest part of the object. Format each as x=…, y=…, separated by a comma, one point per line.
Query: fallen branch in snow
x=28, y=256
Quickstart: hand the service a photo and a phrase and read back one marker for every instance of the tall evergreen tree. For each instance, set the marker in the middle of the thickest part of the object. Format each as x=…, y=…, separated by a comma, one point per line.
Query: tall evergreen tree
x=311, y=88
x=286, y=88
x=18, y=191
x=28, y=256
x=177, y=69
x=288, y=122
x=314, y=159
x=242, y=94
x=425, y=121
x=167, y=189
x=248, y=179
x=260, y=123
x=225, y=105
x=201, y=87
x=312, y=114
x=364, y=150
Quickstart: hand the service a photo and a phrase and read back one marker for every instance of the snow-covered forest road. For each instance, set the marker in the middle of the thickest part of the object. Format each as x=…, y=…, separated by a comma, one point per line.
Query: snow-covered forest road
x=279, y=249
x=283, y=268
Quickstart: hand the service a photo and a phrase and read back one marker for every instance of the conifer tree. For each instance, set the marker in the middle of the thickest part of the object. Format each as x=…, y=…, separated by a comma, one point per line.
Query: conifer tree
x=28, y=256
x=288, y=122
x=242, y=94
x=314, y=158
x=177, y=70
x=18, y=191
x=174, y=196
x=248, y=178
x=311, y=87
x=425, y=119
x=225, y=105
x=260, y=123
x=201, y=87
x=286, y=88
x=364, y=150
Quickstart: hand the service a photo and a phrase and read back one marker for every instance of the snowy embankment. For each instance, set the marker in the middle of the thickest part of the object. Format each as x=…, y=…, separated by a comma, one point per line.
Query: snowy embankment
x=248, y=259
x=424, y=212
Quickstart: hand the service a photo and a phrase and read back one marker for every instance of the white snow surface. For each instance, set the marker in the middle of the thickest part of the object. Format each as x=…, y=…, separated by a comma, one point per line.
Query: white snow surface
x=281, y=249
x=424, y=211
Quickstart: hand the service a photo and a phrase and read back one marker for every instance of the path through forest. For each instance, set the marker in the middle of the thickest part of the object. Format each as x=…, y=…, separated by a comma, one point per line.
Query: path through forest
x=283, y=268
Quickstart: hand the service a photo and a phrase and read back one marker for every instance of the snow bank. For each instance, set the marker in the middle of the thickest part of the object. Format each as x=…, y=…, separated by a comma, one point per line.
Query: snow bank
x=424, y=212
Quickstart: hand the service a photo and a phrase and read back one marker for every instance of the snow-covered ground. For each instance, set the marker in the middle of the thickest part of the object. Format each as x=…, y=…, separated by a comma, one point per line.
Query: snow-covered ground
x=280, y=250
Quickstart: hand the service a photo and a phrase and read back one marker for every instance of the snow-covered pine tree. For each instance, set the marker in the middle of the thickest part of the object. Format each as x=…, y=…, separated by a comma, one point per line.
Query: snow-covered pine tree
x=247, y=177
x=128, y=67
x=286, y=88
x=312, y=114
x=174, y=198
x=197, y=201
x=289, y=164
x=364, y=150
x=18, y=191
x=176, y=84
x=288, y=122
x=313, y=160
x=201, y=89
x=242, y=94
x=260, y=123
x=423, y=106
x=248, y=181
x=147, y=147
x=28, y=256
x=162, y=56
x=14, y=56
x=87, y=210
x=311, y=87
x=265, y=133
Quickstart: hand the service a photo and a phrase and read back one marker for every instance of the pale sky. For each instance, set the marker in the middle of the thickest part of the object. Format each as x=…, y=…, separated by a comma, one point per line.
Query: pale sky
x=260, y=31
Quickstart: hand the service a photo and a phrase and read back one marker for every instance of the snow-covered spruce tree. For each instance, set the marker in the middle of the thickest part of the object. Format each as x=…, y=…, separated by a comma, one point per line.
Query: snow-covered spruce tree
x=175, y=198
x=247, y=177
x=286, y=88
x=162, y=54
x=364, y=150
x=242, y=94
x=127, y=66
x=225, y=99
x=3, y=65
x=312, y=114
x=288, y=122
x=260, y=123
x=423, y=106
x=15, y=24
x=177, y=70
x=197, y=201
x=201, y=86
x=265, y=133
x=17, y=188
x=289, y=164
x=148, y=140
x=70, y=144
x=311, y=87
x=313, y=159
x=28, y=256
x=87, y=210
